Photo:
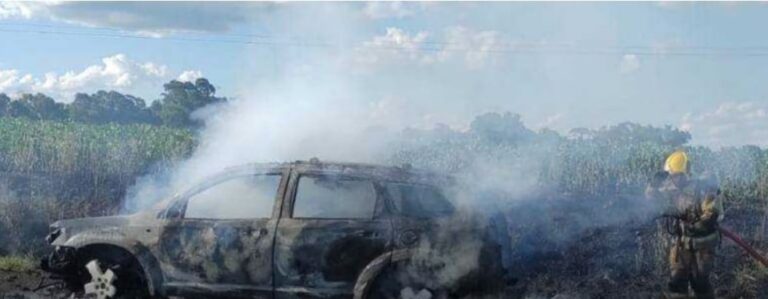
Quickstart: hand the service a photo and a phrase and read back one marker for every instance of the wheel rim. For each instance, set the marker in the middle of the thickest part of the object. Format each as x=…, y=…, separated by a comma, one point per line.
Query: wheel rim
x=102, y=282
x=409, y=293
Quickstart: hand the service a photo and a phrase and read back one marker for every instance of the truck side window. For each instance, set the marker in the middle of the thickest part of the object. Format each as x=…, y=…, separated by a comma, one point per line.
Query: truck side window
x=419, y=201
x=333, y=197
x=245, y=197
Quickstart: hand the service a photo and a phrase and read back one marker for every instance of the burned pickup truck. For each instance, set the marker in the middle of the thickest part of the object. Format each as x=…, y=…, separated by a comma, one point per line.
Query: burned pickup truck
x=289, y=230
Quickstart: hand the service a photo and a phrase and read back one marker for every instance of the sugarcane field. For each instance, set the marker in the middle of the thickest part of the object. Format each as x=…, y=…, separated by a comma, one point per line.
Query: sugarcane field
x=383, y=150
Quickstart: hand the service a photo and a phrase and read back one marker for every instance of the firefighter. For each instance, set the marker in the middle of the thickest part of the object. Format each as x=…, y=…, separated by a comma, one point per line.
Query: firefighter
x=693, y=209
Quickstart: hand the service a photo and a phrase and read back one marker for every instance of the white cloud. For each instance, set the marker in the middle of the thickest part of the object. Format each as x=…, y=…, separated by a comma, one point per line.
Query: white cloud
x=397, y=46
x=8, y=78
x=384, y=10
x=731, y=124
x=144, y=18
x=116, y=72
x=190, y=76
x=629, y=63
x=474, y=46
x=12, y=10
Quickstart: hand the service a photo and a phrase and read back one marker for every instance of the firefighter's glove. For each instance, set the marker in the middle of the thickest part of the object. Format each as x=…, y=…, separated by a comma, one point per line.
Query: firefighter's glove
x=699, y=228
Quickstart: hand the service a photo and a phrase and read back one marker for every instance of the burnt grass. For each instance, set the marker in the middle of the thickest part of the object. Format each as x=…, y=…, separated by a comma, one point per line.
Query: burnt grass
x=575, y=248
x=562, y=246
x=558, y=255
x=29, y=284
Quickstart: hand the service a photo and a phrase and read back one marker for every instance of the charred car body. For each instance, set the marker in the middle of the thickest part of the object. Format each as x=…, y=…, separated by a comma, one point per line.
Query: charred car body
x=290, y=230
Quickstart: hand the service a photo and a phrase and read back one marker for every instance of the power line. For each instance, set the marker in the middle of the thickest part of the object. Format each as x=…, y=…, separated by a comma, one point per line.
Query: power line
x=421, y=46
x=439, y=43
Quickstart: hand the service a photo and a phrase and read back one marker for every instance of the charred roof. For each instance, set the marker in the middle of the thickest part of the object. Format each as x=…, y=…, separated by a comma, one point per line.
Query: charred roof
x=384, y=172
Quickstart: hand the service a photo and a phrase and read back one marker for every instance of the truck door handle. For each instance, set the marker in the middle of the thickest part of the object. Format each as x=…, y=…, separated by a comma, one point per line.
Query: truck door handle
x=409, y=237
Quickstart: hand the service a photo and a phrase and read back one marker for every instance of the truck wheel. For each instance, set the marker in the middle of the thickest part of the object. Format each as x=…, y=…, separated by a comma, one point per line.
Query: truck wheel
x=110, y=277
x=102, y=283
x=392, y=284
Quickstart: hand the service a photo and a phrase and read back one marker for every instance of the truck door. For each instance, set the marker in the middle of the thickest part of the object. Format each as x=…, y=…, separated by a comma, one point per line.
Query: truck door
x=224, y=237
x=331, y=229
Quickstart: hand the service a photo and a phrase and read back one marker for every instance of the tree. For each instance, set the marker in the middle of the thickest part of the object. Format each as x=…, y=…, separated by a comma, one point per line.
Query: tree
x=628, y=132
x=37, y=106
x=4, y=102
x=500, y=128
x=110, y=106
x=180, y=99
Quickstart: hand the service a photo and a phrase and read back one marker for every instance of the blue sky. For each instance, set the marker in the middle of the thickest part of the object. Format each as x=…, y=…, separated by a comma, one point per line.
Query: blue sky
x=701, y=67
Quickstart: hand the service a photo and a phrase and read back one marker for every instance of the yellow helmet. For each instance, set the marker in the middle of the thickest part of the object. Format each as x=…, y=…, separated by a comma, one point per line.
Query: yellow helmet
x=677, y=162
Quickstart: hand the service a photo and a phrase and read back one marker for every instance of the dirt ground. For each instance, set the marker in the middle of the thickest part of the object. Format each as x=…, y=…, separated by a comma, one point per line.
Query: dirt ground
x=29, y=285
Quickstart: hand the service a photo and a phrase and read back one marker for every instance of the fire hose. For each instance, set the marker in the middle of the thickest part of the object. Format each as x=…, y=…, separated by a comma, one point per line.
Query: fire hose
x=736, y=239
x=739, y=241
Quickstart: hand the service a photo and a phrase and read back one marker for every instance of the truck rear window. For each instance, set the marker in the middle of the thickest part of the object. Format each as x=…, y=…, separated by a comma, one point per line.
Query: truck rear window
x=419, y=201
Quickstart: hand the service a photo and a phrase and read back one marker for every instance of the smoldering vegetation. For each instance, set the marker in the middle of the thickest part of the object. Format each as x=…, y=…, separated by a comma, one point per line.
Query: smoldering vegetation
x=578, y=223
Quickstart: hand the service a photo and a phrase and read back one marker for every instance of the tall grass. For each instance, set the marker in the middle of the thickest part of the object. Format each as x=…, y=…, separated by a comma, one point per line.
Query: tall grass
x=55, y=148
x=53, y=170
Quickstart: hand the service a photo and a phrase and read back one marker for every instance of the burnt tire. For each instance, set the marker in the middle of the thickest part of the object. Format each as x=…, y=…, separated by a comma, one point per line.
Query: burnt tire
x=396, y=282
x=127, y=279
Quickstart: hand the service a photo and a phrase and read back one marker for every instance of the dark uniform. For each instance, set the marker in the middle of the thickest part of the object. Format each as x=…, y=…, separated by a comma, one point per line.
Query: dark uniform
x=694, y=208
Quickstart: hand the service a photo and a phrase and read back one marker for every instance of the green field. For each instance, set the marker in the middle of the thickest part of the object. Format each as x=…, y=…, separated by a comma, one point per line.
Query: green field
x=51, y=170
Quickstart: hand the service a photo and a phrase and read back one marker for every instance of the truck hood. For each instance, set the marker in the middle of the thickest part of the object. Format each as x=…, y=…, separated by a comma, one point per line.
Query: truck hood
x=92, y=222
x=122, y=226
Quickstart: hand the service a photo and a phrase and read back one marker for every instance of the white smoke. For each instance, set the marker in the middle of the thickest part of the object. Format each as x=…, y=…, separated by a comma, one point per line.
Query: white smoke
x=283, y=120
x=316, y=107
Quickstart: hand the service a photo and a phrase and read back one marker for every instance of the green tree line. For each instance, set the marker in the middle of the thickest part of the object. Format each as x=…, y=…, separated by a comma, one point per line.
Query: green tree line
x=174, y=108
